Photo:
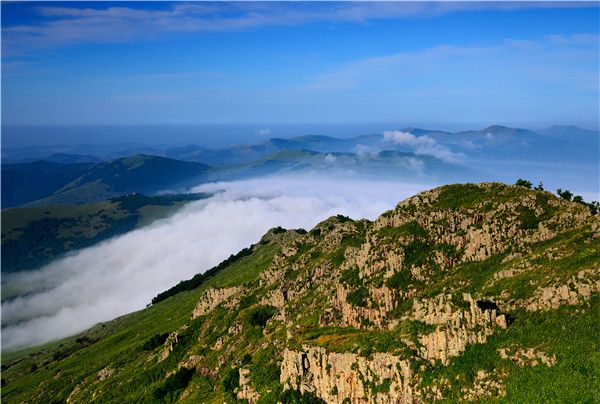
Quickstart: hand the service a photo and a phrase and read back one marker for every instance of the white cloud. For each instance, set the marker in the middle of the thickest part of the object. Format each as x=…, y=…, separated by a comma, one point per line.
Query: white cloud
x=123, y=274
x=423, y=145
x=68, y=25
x=366, y=152
x=330, y=158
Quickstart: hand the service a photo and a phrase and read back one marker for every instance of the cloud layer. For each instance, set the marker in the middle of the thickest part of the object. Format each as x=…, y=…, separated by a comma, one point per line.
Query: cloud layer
x=423, y=145
x=123, y=274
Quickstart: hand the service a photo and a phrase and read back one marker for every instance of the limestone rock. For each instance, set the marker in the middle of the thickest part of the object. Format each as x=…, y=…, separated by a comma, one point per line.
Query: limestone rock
x=212, y=298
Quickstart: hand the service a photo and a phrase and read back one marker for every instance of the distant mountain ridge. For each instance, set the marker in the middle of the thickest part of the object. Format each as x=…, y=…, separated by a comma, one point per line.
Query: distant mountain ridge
x=88, y=183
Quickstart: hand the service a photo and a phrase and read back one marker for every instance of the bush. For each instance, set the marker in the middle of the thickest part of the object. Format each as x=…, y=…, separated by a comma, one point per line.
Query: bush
x=529, y=220
x=523, y=183
x=564, y=194
x=351, y=277
x=401, y=279
x=155, y=341
x=174, y=384
x=199, y=279
x=260, y=315
x=295, y=397
x=358, y=297
x=231, y=381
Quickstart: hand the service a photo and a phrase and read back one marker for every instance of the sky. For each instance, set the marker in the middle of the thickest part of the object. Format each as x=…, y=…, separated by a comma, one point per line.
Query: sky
x=182, y=63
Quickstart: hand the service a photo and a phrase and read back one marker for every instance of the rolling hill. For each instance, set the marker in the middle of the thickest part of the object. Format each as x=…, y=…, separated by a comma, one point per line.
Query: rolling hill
x=34, y=236
x=138, y=173
x=482, y=292
x=24, y=183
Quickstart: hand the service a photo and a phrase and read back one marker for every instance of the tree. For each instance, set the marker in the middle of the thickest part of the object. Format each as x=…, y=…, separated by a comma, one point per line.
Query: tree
x=594, y=207
x=523, y=183
x=578, y=199
x=567, y=195
x=540, y=187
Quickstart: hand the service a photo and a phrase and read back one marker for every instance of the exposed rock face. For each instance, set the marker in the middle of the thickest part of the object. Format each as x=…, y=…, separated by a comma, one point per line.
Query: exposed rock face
x=527, y=357
x=438, y=310
x=578, y=287
x=358, y=317
x=170, y=343
x=105, y=373
x=245, y=391
x=457, y=329
x=336, y=377
x=213, y=297
x=485, y=385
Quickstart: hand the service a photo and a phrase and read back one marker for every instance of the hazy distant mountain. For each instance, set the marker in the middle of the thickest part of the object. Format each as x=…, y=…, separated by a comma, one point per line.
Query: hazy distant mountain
x=139, y=173
x=570, y=133
x=23, y=183
x=382, y=164
x=101, y=152
x=64, y=158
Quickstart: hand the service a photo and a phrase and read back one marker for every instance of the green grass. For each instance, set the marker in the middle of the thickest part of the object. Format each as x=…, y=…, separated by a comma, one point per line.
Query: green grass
x=247, y=269
x=570, y=333
x=33, y=237
x=130, y=345
x=119, y=345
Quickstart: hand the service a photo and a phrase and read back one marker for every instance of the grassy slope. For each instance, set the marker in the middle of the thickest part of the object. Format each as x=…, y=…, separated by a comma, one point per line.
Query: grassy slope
x=139, y=173
x=569, y=332
x=32, y=237
x=119, y=345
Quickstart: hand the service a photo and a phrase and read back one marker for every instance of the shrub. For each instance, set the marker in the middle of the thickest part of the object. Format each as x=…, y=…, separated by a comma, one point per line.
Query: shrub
x=231, y=381
x=260, y=315
x=351, y=277
x=523, y=183
x=295, y=397
x=358, y=297
x=401, y=279
x=174, y=384
x=567, y=195
x=529, y=220
x=155, y=341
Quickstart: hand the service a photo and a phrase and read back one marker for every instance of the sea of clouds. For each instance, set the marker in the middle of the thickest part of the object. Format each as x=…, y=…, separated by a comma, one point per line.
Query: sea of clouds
x=122, y=274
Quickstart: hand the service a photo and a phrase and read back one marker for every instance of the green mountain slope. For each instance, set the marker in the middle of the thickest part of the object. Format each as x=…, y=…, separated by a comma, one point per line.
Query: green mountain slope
x=485, y=292
x=32, y=237
x=139, y=173
x=24, y=183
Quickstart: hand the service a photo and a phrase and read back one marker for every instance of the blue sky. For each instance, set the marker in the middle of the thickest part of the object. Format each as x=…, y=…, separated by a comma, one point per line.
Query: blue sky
x=193, y=63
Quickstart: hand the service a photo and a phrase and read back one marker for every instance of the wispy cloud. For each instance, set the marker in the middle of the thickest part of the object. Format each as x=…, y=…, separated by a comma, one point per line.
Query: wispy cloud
x=63, y=25
x=520, y=57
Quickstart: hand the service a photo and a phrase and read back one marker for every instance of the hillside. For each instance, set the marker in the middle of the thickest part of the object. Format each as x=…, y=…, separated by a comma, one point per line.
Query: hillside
x=483, y=292
x=376, y=164
x=23, y=183
x=138, y=173
x=32, y=237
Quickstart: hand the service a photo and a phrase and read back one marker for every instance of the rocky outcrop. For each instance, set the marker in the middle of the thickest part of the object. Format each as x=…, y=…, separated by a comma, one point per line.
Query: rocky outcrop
x=213, y=297
x=459, y=328
x=245, y=391
x=339, y=377
x=527, y=357
x=356, y=316
x=485, y=385
x=105, y=373
x=577, y=289
x=169, y=345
